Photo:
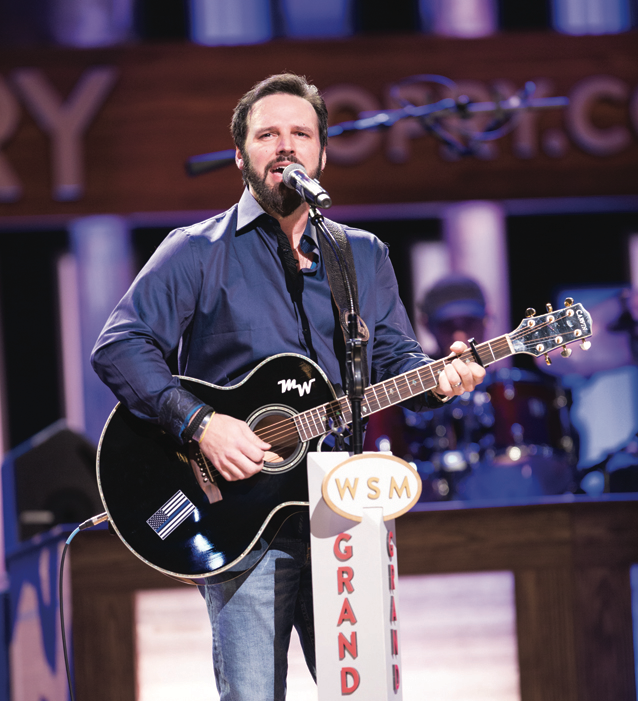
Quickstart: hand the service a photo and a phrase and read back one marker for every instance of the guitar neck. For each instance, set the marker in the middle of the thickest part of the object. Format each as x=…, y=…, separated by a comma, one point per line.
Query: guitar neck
x=313, y=423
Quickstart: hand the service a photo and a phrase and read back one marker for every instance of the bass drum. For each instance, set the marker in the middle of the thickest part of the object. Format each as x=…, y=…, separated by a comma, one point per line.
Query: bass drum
x=509, y=439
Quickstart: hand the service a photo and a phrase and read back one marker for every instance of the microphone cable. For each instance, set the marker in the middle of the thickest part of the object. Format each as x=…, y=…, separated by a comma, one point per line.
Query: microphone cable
x=89, y=523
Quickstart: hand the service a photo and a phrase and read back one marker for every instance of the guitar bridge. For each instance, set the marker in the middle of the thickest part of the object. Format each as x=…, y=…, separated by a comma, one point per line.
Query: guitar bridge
x=203, y=471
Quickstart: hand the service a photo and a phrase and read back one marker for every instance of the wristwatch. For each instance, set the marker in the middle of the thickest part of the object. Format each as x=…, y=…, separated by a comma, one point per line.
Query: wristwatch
x=199, y=431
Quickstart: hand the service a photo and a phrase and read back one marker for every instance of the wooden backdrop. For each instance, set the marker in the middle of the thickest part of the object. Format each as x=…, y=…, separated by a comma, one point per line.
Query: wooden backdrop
x=169, y=102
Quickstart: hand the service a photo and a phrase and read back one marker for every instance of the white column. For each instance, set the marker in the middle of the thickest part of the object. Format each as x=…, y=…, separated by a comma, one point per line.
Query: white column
x=459, y=18
x=4, y=447
x=71, y=342
x=429, y=261
x=228, y=22
x=90, y=23
x=328, y=18
x=103, y=256
x=633, y=260
x=591, y=16
x=476, y=237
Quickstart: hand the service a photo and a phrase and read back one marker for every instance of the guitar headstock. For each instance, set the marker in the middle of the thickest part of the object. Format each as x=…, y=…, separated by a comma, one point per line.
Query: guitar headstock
x=539, y=335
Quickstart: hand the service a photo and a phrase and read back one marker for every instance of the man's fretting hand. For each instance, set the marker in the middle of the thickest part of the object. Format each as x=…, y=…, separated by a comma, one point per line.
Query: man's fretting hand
x=233, y=448
x=458, y=377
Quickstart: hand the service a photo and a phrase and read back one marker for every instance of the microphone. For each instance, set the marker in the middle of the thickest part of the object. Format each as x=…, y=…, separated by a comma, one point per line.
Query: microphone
x=296, y=178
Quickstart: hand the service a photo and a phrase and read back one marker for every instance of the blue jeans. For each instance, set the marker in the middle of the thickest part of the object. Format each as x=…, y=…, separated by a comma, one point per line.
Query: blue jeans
x=252, y=618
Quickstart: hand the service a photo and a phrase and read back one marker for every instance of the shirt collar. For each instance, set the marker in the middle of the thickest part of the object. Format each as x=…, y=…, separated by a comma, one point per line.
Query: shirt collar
x=249, y=211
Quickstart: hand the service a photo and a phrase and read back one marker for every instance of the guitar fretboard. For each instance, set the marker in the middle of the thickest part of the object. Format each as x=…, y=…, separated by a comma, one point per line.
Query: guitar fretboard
x=315, y=422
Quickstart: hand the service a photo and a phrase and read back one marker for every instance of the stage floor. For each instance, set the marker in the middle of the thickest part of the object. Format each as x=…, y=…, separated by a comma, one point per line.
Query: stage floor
x=458, y=642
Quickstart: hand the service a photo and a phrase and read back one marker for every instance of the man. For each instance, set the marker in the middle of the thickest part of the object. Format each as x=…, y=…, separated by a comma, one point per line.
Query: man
x=454, y=309
x=440, y=443
x=222, y=291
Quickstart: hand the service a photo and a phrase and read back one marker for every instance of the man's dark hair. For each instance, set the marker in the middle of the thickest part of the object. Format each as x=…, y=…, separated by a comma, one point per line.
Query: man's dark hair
x=287, y=83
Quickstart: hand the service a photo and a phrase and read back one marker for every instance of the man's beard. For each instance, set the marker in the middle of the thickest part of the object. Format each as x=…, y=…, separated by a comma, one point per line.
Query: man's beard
x=278, y=199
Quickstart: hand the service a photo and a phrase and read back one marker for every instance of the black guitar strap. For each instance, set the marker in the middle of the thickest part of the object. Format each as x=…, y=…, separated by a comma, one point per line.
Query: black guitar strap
x=336, y=280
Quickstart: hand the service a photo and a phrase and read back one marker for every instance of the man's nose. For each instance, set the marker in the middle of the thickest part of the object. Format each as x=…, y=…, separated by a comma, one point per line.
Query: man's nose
x=285, y=144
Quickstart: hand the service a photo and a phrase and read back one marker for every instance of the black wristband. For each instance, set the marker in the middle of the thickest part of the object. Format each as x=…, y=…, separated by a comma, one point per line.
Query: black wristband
x=187, y=433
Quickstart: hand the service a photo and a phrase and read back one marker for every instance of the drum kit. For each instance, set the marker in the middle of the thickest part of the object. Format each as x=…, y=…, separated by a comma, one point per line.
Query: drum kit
x=509, y=439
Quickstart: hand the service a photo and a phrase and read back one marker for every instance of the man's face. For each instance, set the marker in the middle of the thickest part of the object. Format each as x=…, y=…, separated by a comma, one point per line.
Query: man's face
x=282, y=129
x=460, y=328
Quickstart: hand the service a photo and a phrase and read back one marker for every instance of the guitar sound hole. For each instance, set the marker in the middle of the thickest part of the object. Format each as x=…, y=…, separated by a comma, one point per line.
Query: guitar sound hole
x=276, y=426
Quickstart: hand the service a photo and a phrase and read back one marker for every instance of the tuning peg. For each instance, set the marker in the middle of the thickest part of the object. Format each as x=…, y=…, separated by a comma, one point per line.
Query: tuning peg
x=585, y=345
x=566, y=352
x=548, y=360
x=530, y=312
x=569, y=301
x=549, y=307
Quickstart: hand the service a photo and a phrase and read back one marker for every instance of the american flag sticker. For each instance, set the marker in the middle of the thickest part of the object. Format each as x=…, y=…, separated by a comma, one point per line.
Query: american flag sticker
x=166, y=519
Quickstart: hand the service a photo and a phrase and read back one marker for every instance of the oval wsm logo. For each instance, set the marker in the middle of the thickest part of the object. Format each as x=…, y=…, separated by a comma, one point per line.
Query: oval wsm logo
x=371, y=480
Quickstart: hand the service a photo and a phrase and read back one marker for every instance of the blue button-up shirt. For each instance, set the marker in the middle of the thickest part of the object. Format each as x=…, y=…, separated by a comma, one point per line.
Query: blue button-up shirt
x=218, y=291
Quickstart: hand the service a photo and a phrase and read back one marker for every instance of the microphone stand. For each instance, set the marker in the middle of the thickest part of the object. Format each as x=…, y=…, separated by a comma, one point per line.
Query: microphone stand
x=355, y=373
x=430, y=117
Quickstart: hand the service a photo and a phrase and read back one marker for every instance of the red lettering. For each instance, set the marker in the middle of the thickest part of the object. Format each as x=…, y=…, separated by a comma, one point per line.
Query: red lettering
x=391, y=573
x=347, y=614
x=393, y=610
x=349, y=672
x=344, y=579
x=394, y=641
x=346, y=553
x=390, y=544
x=396, y=678
x=345, y=646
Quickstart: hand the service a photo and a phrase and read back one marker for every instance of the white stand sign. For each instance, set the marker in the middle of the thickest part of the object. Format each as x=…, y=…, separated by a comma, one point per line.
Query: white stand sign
x=354, y=572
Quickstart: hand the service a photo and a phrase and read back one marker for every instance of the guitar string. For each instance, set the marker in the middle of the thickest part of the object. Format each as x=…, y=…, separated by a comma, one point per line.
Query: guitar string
x=285, y=434
x=287, y=430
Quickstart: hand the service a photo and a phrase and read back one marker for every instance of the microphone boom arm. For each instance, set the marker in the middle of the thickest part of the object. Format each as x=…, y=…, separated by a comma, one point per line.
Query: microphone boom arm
x=429, y=116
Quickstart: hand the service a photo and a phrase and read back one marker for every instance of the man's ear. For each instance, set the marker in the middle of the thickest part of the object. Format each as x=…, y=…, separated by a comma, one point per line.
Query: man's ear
x=323, y=160
x=239, y=159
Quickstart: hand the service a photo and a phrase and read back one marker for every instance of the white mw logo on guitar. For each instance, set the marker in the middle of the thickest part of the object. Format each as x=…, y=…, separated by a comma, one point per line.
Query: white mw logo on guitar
x=287, y=385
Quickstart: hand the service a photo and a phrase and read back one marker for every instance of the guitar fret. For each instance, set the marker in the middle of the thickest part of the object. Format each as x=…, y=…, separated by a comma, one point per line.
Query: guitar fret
x=381, y=401
x=489, y=347
x=317, y=423
x=298, y=421
x=432, y=382
x=320, y=420
x=411, y=381
x=312, y=423
x=503, y=349
x=377, y=404
x=303, y=421
x=346, y=411
x=325, y=415
x=372, y=401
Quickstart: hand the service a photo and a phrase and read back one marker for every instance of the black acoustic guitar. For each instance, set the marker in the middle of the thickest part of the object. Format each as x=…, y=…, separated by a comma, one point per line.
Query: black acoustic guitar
x=176, y=513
